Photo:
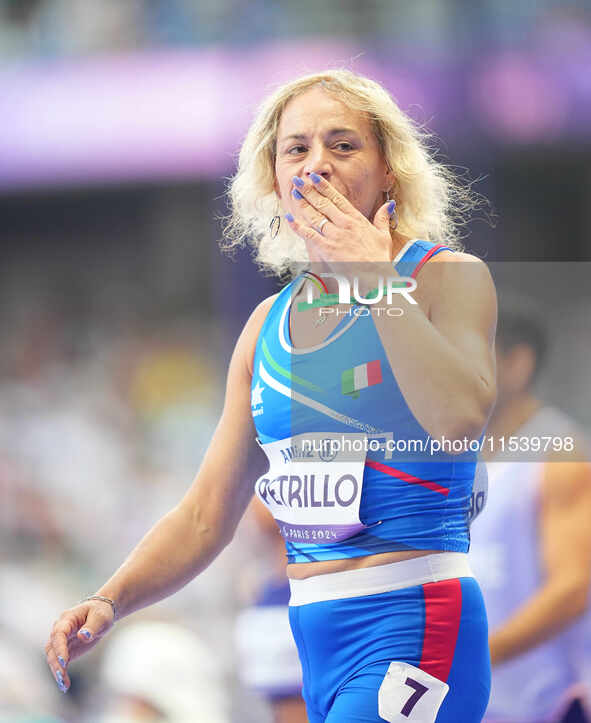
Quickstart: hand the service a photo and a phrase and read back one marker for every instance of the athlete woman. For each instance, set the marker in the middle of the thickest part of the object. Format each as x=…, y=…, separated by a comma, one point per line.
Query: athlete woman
x=388, y=620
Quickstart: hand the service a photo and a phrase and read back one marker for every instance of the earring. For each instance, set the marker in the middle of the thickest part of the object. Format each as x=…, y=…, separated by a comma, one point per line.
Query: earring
x=274, y=226
x=393, y=215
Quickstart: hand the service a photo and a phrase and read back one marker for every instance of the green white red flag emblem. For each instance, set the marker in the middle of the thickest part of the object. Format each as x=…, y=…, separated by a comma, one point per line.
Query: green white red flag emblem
x=360, y=377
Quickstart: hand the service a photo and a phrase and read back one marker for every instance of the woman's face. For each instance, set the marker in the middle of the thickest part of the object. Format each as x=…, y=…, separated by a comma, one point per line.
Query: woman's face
x=319, y=133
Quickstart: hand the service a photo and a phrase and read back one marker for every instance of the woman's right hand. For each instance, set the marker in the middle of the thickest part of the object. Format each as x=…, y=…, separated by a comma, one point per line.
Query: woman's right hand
x=75, y=632
x=193, y=532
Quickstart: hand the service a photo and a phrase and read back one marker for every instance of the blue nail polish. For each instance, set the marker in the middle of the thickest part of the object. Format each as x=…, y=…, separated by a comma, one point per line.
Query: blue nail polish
x=296, y=194
x=87, y=634
x=61, y=661
x=298, y=181
x=289, y=217
x=315, y=177
x=391, y=207
x=60, y=681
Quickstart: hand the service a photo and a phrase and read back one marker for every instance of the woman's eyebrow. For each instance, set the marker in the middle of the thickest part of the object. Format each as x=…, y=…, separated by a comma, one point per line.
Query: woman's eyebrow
x=328, y=134
x=338, y=131
x=294, y=136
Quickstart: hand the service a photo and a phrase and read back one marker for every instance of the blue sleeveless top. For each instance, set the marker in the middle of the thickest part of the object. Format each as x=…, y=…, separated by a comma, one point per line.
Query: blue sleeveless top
x=411, y=499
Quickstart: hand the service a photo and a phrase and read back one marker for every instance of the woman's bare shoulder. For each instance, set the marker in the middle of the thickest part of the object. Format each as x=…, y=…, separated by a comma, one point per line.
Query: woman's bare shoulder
x=455, y=257
x=452, y=279
x=449, y=265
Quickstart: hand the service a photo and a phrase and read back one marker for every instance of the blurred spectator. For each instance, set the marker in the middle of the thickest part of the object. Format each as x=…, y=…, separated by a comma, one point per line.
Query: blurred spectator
x=161, y=671
x=100, y=432
x=89, y=26
x=531, y=549
x=268, y=661
x=63, y=28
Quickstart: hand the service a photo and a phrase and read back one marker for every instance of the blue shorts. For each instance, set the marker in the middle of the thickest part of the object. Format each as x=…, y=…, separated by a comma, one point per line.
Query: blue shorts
x=418, y=654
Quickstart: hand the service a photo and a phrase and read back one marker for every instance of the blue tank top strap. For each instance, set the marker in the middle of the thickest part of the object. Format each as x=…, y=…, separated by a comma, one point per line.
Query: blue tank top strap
x=287, y=319
x=415, y=254
x=276, y=309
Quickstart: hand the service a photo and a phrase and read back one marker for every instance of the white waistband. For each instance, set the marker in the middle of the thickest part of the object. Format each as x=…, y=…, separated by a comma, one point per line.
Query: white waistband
x=380, y=578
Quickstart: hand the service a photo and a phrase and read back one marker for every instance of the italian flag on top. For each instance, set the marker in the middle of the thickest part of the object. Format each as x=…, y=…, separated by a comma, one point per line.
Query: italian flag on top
x=360, y=377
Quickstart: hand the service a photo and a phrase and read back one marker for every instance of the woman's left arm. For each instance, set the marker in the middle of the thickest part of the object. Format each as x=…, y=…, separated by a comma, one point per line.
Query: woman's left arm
x=444, y=363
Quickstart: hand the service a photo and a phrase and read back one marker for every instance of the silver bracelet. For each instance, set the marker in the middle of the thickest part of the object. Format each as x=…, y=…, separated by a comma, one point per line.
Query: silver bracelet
x=104, y=599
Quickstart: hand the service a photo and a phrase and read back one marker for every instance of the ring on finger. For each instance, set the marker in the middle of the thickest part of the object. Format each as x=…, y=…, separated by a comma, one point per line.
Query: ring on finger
x=321, y=225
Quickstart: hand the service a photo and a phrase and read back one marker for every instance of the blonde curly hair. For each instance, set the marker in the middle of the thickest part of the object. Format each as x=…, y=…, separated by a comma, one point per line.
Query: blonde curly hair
x=431, y=201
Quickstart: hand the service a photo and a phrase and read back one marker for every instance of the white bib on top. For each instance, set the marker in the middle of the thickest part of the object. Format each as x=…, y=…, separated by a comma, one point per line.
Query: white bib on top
x=314, y=484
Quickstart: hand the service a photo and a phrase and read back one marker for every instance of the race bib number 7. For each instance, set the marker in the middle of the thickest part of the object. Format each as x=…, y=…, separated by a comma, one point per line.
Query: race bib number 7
x=409, y=695
x=314, y=484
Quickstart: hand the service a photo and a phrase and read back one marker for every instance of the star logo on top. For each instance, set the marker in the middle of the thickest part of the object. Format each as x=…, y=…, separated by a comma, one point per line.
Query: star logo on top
x=256, y=399
x=361, y=377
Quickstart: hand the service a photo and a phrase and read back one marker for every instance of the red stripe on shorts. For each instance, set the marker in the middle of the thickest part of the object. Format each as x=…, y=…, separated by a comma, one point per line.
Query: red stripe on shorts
x=399, y=474
x=443, y=610
x=426, y=258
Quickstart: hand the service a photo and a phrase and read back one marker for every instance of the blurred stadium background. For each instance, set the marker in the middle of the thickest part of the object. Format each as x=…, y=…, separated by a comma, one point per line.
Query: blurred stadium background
x=120, y=121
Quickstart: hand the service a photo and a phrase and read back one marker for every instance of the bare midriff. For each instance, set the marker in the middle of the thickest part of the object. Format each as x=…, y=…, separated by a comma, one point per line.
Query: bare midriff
x=302, y=570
